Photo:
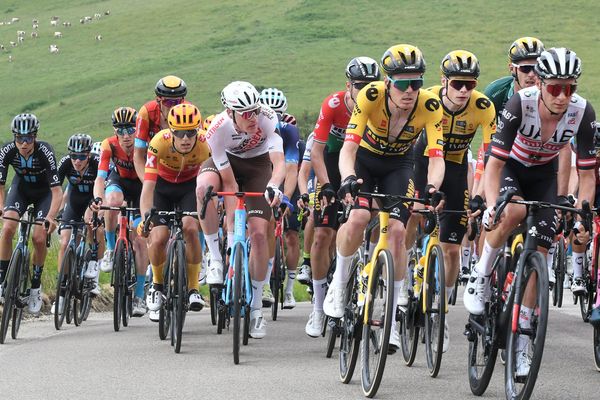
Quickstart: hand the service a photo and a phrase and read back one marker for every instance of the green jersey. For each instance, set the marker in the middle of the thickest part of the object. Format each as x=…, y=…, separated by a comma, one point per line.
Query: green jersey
x=500, y=91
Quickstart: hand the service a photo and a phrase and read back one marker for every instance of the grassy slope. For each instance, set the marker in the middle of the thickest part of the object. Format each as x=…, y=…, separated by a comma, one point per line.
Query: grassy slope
x=301, y=47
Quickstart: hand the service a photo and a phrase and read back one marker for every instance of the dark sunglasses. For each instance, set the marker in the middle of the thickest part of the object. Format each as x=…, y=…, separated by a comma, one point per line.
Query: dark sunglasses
x=79, y=156
x=189, y=133
x=126, y=131
x=525, y=68
x=359, y=85
x=458, y=84
x=249, y=114
x=171, y=102
x=556, y=89
x=403, y=84
x=24, y=138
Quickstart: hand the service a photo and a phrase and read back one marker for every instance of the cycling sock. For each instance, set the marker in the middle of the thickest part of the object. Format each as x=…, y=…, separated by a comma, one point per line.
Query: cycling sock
x=525, y=317
x=289, y=285
x=319, y=288
x=550, y=256
x=449, y=291
x=306, y=258
x=111, y=239
x=465, y=256
x=257, y=288
x=212, y=241
x=488, y=255
x=36, y=276
x=269, y=269
x=340, y=276
x=157, y=273
x=3, y=269
x=578, y=265
x=193, y=273
x=139, y=285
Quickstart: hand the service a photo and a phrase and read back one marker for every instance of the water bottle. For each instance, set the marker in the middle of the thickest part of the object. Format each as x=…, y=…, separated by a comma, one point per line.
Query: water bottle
x=507, y=283
x=418, y=276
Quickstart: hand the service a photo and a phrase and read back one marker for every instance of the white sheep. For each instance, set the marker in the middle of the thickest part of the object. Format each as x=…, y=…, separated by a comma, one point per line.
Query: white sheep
x=66, y=23
x=10, y=58
x=54, y=23
x=87, y=19
x=20, y=39
x=13, y=44
x=20, y=33
x=57, y=34
x=15, y=19
x=1, y=23
x=35, y=26
x=2, y=47
x=107, y=12
x=34, y=35
x=53, y=49
x=81, y=21
x=98, y=37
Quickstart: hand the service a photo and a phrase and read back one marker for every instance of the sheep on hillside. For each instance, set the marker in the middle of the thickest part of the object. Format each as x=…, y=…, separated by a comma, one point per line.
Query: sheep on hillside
x=20, y=33
x=13, y=44
x=35, y=21
x=98, y=37
x=57, y=34
x=97, y=16
x=15, y=19
x=66, y=23
x=35, y=26
x=34, y=35
x=20, y=39
x=87, y=19
x=53, y=49
x=54, y=18
x=54, y=23
x=10, y=58
x=107, y=12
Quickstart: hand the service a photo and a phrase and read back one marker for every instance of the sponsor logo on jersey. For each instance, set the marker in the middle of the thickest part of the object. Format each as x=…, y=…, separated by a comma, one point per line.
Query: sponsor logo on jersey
x=334, y=102
x=507, y=115
x=151, y=161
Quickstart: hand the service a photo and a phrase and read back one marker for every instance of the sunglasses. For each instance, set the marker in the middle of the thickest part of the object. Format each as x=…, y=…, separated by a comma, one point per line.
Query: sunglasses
x=24, y=138
x=403, y=84
x=126, y=131
x=458, y=84
x=249, y=114
x=359, y=85
x=171, y=102
x=79, y=156
x=525, y=68
x=557, y=88
x=189, y=133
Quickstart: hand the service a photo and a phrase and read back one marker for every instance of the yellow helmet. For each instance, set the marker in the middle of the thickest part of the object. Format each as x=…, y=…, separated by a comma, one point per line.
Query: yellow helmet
x=460, y=63
x=525, y=48
x=402, y=59
x=184, y=116
x=207, y=121
x=170, y=86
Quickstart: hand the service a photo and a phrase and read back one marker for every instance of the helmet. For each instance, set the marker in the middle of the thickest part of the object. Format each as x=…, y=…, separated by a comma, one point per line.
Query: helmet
x=525, y=48
x=170, y=86
x=124, y=117
x=79, y=143
x=289, y=119
x=207, y=121
x=362, y=69
x=96, y=148
x=403, y=58
x=25, y=124
x=273, y=98
x=460, y=63
x=239, y=96
x=184, y=116
x=559, y=63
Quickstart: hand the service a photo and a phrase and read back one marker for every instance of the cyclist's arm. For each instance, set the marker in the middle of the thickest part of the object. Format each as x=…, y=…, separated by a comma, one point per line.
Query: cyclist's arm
x=291, y=160
x=56, y=201
x=435, y=171
x=103, y=169
x=139, y=161
x=318, y=162
x=586, y=156
x=303, y=175
x=347, y=158
x=435, y=141
x=291, y=179
x=2, y=197
x=564, y=171
x=279, y=169
x=147, y=197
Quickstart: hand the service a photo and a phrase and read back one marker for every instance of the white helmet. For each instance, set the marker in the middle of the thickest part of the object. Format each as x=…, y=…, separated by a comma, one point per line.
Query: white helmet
x=96, y=148
x=274, y=98
x=240, y=96
x=558, y=62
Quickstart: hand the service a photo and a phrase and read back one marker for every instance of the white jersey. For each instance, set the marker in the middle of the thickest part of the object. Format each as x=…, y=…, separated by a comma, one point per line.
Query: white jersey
x=309, y=143
x=223, y=138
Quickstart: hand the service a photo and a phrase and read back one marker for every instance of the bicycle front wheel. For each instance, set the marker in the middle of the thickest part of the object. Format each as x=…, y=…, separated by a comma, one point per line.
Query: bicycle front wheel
x=559, y=272
x=376, y=332
x=276, y=278
x=350, y=324
x=11, y=292
x=525, y=345
x=435, y=317
x=180, y=265
x=238, y=256
x=23, y=280
x=63, y=287
x=118, y=283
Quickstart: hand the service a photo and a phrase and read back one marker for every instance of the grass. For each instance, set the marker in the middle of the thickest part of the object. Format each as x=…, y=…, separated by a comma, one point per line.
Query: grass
x=299, y=46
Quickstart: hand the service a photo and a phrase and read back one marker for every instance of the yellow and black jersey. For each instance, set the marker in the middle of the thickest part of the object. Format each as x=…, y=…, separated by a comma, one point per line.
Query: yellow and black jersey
x=370, y=122
x=460, y=127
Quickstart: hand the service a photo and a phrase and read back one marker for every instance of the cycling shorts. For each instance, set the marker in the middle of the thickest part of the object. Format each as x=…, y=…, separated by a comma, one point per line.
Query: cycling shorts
x=20, y=195
x=131, y=188
x=167, y=195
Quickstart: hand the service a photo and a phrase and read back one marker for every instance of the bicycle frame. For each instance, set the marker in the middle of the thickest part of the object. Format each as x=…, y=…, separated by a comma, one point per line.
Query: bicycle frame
x=595, y=244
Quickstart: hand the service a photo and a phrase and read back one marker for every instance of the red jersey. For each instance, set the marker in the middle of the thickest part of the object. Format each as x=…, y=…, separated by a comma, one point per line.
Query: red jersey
x=111, y=150
x=332, y=122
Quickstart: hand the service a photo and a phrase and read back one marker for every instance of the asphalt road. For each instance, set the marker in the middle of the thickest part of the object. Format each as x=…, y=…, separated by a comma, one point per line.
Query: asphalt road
x=92, y=361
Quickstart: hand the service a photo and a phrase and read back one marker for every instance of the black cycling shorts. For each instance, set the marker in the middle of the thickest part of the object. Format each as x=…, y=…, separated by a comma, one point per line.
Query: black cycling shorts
x=536, y=183
x=328, y=218
x=167, y=195
x=391, y=175
x=291, y=222
x=75, y=207
x=131, y=188
x=20, y=195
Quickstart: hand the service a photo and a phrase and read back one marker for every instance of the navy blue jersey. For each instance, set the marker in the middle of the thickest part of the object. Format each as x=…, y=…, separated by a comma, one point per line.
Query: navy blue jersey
x=78, y=183
x=39, y=169
x=290, y=135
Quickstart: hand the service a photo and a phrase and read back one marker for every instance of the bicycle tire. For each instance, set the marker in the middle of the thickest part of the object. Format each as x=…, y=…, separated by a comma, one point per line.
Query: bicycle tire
x=382, y=277
x=63, y=285
x=276, y=278
x=181, y=298
x=128, y=283
x=351, y=323
x=247, y=311
x=582, y=299
x=11, y=292
x=213, y=293
x=560, y=269
x=238, y=259
x=331, y=336
x=535, y=263
x=78, y=283
x=164, y=312
x=597, y=347
x=407, y=324
x=434, y=341
x=118, y=267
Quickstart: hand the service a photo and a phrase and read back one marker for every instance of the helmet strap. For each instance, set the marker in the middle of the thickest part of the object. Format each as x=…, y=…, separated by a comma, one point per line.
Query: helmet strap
x=547, y=108
x=445, y=94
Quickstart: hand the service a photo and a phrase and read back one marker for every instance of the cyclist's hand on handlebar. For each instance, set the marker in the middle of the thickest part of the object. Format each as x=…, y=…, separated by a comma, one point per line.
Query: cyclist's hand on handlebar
x=289, y=207
x=303, y=200
x=435, y=197
x=476, y=206
x=327, y=195
x=50, y=224
x=349, y=189
x=582, y=236
x=273, y=195
x=95, y=204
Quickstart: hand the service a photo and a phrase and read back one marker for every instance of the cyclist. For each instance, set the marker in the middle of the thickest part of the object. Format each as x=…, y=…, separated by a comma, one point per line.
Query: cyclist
x=276, y=100
x=387, y=119
x=173, y=161
x=152, y=116
x=530, y=154
x=36, y=182
x=325, y=154
x=80, y=168
x=465, y=110
x=306, y=180
x=245, y=147
x=118, y=184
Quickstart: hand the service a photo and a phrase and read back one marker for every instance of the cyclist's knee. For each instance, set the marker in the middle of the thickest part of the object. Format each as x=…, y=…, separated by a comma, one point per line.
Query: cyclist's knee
x=38, y=238
x=258, y=237
x=190, y=231
x=397, y=230
x=8, y=229
x=322, y=238
x=64, y=239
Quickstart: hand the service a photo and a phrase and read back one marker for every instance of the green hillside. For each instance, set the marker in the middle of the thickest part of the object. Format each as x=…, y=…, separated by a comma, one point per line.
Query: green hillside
x=301, y=47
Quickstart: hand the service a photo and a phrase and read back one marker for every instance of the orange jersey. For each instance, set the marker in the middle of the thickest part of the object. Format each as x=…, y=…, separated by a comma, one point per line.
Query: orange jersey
x=172, y=166
x=148, y=123
x=111, y=150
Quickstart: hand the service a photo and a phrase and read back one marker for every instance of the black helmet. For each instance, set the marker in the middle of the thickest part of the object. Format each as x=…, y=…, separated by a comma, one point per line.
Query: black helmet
x=170, y=86
x=25, y=124
x=79, y=143
x=124, y=117
x=460, y=63
x=362, y=69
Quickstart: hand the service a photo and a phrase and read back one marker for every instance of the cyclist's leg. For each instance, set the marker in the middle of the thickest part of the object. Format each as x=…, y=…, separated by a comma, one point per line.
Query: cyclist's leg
x=65, y=234
x=14, y=206
x=420, y=181
x=193, y=255
x=41, y=206
x=113, y=197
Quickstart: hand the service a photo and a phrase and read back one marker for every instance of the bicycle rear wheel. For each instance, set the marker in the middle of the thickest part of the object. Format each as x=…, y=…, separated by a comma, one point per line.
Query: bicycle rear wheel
x=559, y=272
x=181, y=297
x=597, y=347
x=276, y=278
x=128, y=285
x=350, y=324
x=78, y=283
x=214, y=299
x=527, y=341
x=435, y=316
x=63, y=287
x=118, y=283
x=332, y=330
x=376, y=333
x=238, y=259
x=408, y=323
